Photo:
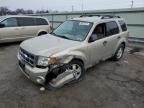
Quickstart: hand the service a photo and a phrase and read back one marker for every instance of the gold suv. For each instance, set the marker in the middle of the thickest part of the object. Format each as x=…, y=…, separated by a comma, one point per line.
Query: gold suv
x=77, y=44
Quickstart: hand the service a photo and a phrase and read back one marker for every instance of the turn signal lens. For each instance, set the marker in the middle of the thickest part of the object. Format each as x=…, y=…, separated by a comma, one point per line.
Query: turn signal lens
x=53, y=60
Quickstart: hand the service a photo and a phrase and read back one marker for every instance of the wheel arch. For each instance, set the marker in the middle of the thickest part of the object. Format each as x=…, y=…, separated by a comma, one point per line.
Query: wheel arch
x=42, y=32
x=122, y=41
x=78, y=59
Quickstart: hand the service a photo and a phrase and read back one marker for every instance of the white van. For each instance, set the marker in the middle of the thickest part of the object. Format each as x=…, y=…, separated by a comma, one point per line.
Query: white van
x=17, y=28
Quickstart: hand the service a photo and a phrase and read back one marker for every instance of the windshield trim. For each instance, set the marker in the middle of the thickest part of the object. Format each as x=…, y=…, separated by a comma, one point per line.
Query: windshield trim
x=76, y=20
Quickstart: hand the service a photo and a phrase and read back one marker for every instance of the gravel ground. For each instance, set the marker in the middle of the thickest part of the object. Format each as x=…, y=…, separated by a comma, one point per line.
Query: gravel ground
x=107, y=85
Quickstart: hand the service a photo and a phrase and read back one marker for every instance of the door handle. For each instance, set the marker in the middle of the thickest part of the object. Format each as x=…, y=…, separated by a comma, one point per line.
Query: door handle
x=118, y=37
x=105, y=43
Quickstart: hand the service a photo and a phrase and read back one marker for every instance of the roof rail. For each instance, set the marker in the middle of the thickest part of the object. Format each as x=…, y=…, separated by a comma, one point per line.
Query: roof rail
x=89, y=15
x=109, y=16
x=102, y=16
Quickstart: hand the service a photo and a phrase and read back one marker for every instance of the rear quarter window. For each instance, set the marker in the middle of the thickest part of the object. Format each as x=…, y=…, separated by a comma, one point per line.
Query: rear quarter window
x=41, y=21
x=123, y=25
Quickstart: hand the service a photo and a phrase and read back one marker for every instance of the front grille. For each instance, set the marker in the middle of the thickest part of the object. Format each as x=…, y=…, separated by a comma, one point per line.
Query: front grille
x=28, y=57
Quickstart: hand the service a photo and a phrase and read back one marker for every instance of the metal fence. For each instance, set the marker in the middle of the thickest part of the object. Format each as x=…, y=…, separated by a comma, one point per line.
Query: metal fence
x=133, y=16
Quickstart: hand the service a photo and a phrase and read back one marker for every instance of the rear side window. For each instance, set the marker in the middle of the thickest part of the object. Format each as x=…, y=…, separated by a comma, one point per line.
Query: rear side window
x=111, y=28
x=40, y=21
x=10, y=22
x=123, y=25
x=26, y=21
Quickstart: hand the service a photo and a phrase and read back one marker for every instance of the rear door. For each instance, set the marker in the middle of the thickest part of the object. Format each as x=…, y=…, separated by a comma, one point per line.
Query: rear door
x=112, y=37
x=11, y=29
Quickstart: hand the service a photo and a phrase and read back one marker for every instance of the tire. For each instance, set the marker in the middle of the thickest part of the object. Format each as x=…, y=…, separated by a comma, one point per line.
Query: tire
x=78, y=68
x=119, y=53
x=42, y=33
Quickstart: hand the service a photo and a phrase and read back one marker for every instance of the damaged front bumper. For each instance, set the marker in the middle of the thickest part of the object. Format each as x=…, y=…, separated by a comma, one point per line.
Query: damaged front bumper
x=55, y=76
x=35, y=74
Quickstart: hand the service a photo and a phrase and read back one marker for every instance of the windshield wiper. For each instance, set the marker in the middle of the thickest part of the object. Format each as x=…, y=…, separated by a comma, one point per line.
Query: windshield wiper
x=65, y=37
x=61, y=36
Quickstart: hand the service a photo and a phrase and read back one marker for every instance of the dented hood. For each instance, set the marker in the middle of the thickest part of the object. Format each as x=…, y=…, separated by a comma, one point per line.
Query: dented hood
x=47, y=45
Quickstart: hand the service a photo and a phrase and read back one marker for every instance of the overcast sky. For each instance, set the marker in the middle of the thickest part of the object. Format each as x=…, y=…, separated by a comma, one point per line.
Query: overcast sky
x=66, y=5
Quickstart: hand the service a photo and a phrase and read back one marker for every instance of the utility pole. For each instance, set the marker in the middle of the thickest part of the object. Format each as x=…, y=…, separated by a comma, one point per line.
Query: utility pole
x=132, y=3
x=72, y=8
x=82, y=6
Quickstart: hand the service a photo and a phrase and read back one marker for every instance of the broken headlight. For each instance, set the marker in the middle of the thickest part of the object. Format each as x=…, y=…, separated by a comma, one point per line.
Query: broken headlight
x=45, y=61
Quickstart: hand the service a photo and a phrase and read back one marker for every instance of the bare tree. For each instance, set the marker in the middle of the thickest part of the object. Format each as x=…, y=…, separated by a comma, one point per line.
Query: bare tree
x=42, y=11
x=20, y=11
x=29, y=11
x=7, y=11
x=4, y=11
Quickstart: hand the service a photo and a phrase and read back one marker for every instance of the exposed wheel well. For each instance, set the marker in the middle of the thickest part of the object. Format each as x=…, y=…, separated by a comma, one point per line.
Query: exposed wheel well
x=123, y=43
x=42, y=33
x=77, y=59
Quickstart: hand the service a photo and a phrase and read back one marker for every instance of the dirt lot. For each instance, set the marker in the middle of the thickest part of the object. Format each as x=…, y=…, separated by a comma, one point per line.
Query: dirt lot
x=107, y=85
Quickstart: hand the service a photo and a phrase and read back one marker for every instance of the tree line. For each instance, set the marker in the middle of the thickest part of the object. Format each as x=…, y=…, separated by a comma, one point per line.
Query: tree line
x=7, y=11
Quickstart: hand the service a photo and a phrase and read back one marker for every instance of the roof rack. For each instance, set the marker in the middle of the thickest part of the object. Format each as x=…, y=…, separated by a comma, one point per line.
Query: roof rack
x=109, y=16
x=89, y=15
x=102, y=16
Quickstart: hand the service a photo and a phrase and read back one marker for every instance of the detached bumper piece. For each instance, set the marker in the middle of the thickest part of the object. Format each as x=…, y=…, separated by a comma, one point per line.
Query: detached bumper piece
x=58, y=78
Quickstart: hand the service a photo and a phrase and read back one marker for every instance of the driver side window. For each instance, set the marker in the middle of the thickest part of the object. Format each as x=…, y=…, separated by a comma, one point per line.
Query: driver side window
x=98, y=33
x=10, y=22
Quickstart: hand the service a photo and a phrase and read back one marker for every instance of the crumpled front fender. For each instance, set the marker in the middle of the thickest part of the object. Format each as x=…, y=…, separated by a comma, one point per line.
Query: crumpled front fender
x=65, y=59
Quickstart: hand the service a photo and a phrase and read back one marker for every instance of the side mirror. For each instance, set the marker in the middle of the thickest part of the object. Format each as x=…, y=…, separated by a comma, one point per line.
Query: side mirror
x=93, y=38
x=2, y=25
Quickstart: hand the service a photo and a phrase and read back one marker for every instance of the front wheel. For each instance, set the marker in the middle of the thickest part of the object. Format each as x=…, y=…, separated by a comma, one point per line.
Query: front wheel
x=119, y=53
x=77, y=68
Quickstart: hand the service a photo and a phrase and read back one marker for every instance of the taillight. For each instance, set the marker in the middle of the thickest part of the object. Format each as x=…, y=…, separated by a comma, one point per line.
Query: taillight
x=50, y=29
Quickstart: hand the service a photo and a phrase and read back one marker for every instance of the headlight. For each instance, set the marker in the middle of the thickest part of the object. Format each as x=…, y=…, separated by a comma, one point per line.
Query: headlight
x=45, y=61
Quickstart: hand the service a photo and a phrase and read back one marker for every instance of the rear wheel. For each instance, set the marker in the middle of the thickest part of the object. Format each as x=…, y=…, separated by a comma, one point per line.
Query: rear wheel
x=119, y=53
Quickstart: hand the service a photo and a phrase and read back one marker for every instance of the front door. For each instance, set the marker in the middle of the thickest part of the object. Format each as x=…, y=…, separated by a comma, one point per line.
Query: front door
x=10, y=29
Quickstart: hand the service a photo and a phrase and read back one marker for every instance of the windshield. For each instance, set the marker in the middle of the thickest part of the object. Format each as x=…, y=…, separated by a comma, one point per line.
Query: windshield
x=73, y=30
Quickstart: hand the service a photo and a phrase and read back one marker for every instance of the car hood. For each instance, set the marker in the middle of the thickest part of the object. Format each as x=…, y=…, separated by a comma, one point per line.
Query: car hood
x=47, y=45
